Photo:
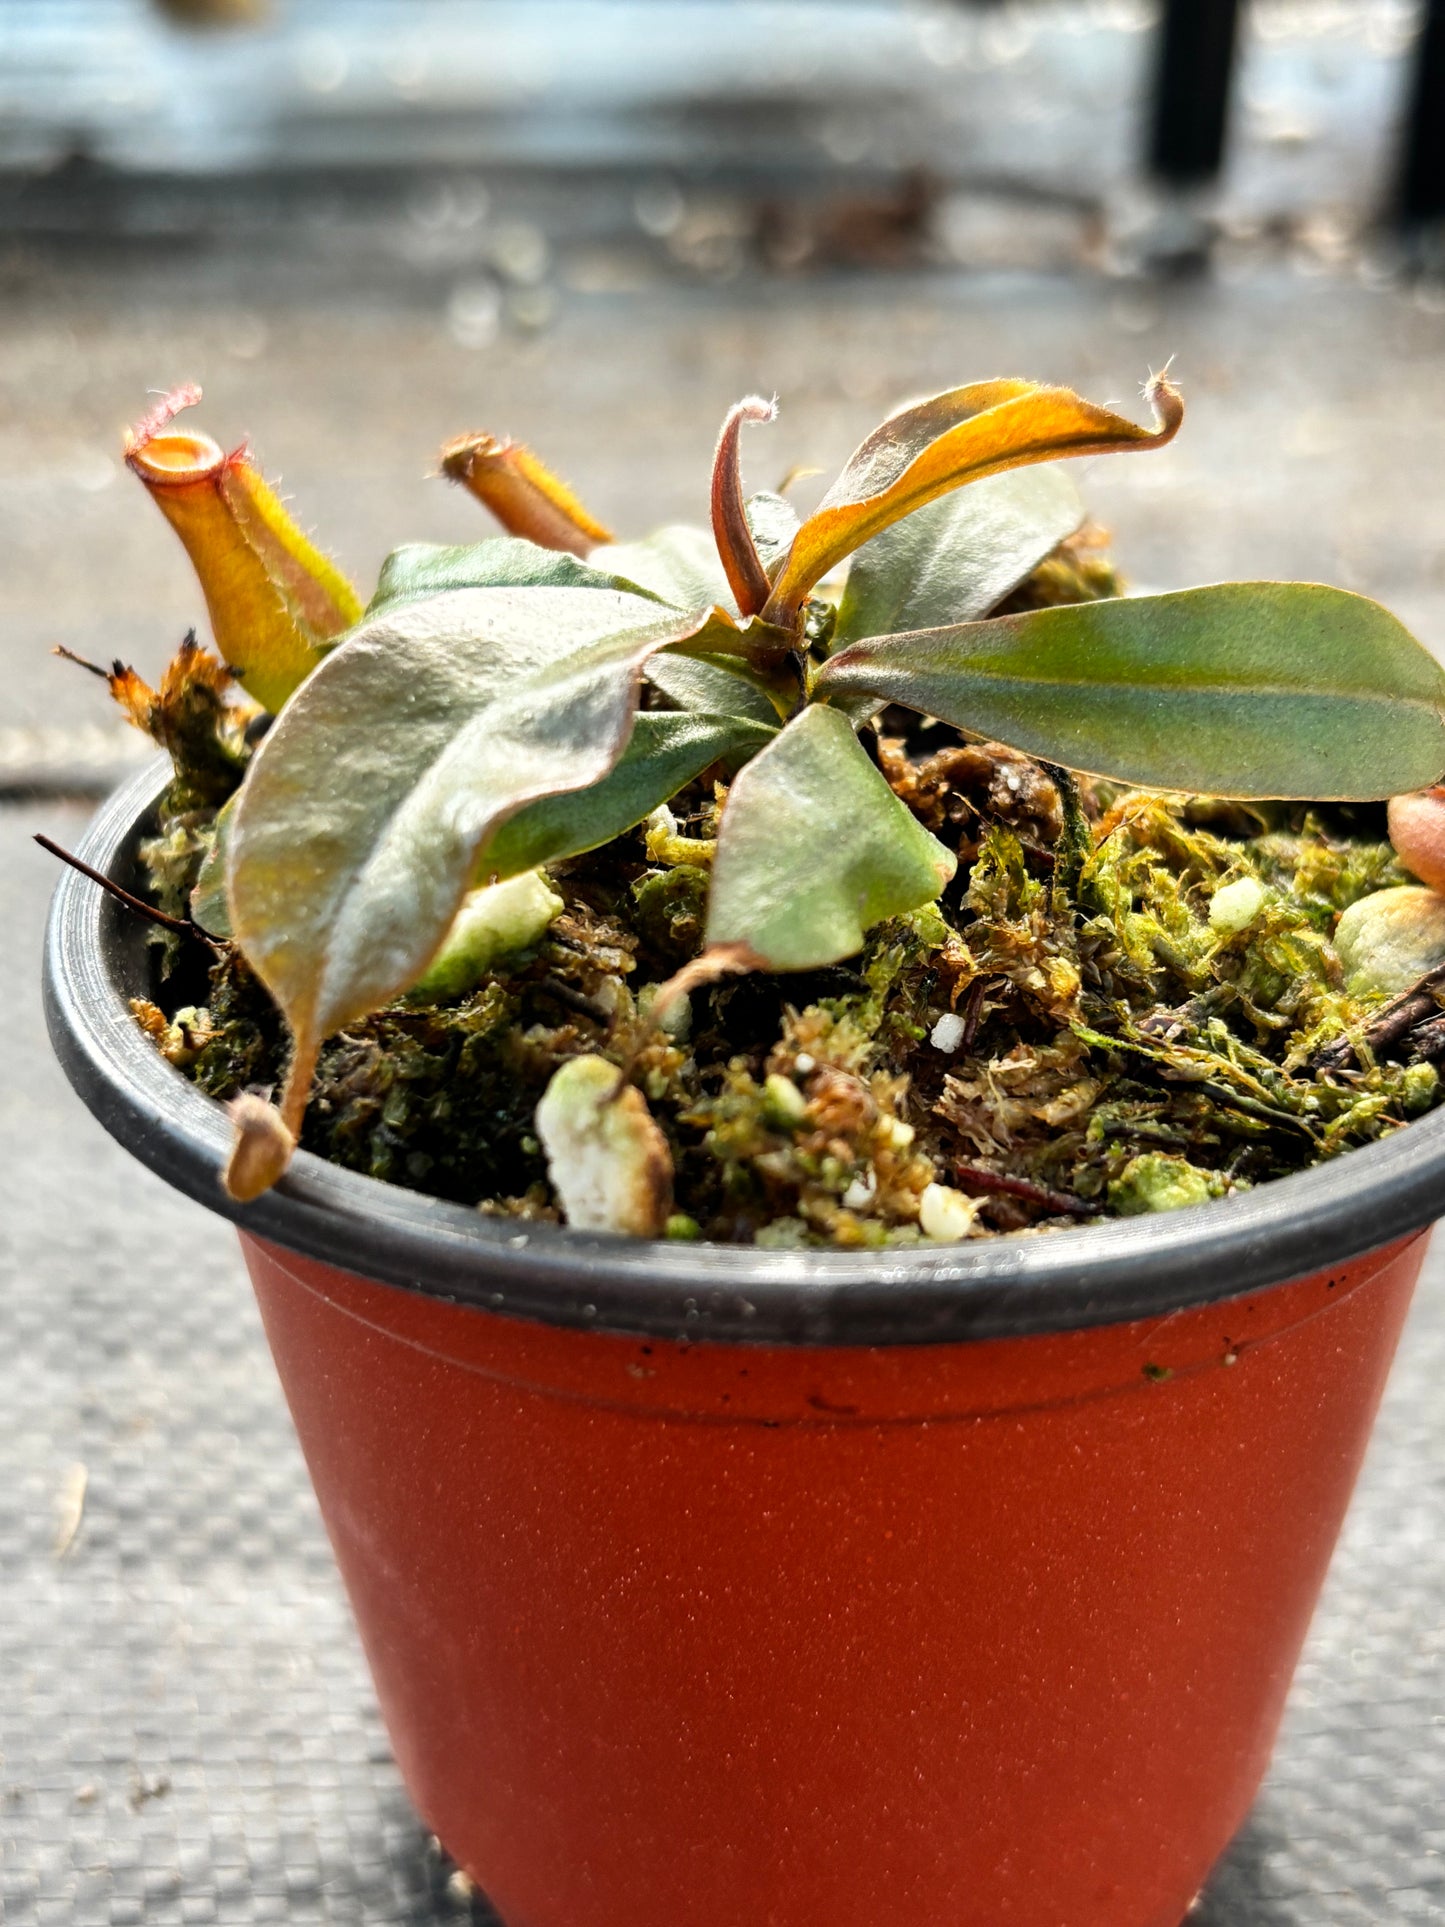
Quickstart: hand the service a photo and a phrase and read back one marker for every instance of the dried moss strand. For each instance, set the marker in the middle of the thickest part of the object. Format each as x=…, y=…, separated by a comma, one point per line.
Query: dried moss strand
x=985, y=1183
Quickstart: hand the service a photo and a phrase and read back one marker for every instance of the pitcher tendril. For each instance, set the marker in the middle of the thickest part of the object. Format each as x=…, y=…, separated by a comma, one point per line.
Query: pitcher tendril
x=746, y=575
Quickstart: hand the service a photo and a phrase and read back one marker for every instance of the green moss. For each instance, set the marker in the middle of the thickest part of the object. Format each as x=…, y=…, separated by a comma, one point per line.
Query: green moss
x=1155, y=1181
x=669, y=910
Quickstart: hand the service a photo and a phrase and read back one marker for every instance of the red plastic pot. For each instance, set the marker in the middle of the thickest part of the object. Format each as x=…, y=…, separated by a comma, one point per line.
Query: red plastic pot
x=727, y=1587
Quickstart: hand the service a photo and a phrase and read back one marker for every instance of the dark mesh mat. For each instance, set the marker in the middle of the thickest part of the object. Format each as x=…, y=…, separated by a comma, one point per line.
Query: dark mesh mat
x=186, y=1729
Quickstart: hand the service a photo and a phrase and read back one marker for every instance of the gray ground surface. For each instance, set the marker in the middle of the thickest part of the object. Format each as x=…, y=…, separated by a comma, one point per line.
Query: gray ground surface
x=186, y=1731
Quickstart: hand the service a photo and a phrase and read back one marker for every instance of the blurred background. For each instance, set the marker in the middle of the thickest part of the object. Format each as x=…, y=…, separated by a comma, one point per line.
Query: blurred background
x=366, y=225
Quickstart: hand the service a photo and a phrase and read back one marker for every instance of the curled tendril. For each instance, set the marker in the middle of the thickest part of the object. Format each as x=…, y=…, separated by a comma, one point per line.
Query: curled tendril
x=745, y=573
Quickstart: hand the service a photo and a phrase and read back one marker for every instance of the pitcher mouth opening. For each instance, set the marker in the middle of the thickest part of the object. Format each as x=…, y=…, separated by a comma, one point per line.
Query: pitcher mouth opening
x=1109, y=1273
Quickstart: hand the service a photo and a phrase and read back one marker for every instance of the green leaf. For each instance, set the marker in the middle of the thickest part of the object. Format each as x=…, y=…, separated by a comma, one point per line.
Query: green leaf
x=813, y=848
x=679, y=565
x=665, y=752
x=959, y=557
x=934, y=446
x=367, y=810
x=1244, y=689
x=722, y=686
x=501, y=562
x=774, y=524
x=209, y=907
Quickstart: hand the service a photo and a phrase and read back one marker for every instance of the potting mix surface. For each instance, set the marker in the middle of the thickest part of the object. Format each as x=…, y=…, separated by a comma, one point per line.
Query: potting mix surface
x=1123, y=1002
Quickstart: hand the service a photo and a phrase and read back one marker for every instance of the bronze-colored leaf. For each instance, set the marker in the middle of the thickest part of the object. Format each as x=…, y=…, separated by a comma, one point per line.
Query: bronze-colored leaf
x=933, y=446
x=365, y=814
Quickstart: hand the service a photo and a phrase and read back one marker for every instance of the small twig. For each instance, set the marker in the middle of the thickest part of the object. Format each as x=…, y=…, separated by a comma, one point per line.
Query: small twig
x=999, y=1184
x=973, y=1012
x=83, y=662
x=574, y=1000
x=182, y=926
x=1388, y=1025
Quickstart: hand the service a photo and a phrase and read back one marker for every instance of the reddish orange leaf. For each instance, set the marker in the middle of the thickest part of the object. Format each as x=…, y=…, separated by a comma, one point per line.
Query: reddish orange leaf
x=924, y=451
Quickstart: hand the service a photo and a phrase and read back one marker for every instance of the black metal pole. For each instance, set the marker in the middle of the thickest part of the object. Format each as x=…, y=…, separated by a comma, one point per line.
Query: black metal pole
x=1422, y=181
x=1192, y=87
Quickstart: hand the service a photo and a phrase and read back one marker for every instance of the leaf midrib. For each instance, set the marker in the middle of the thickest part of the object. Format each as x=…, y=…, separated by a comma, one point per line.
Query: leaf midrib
x=1295, y=692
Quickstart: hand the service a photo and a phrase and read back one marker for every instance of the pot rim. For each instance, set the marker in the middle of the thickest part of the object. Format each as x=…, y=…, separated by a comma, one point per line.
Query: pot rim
x=1111, y=1273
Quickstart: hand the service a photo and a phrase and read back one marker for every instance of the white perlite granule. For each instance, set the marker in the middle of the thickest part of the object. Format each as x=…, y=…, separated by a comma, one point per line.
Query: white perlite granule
x=946, y=1214
x=947, y=1033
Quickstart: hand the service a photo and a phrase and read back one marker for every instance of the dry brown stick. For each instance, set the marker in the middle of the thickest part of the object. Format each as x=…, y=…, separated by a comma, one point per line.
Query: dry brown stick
x=180, y=925
x=572, y=999
x=1389, y=1024
x=82, y=662
x=999, y=1184
x=973, y=1012
x=1428, y=1039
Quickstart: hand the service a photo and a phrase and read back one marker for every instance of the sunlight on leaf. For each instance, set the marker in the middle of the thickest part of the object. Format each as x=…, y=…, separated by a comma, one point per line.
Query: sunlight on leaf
x=959, y=557
x=1247, y=689
x=501, y=562
x=774, y=523
x=814, y=848
x=678, y=564
x=366, y=811
x=937, y=445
